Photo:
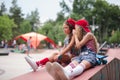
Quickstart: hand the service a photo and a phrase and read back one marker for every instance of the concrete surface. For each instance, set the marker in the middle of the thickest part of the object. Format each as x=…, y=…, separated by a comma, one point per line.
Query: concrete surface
x=100, y=72
x=14, y=64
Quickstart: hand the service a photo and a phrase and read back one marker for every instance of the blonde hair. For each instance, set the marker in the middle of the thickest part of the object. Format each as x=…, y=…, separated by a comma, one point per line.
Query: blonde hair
x=80, y=33
x=96, y=43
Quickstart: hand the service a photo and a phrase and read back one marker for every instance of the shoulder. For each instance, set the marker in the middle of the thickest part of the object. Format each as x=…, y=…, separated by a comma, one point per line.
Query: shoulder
x=66, y=38
x=89, y=35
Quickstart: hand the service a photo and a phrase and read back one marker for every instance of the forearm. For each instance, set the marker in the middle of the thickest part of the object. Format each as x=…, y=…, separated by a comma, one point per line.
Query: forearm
x=65, y=50
x=76, y=40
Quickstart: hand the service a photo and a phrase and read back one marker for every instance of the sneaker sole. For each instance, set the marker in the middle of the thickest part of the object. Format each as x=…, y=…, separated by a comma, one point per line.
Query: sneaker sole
x=34, y=66
x=51, y=71
x=60, y=71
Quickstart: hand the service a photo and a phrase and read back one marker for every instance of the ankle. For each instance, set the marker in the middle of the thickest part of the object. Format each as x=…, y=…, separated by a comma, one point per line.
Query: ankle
x=38, y=64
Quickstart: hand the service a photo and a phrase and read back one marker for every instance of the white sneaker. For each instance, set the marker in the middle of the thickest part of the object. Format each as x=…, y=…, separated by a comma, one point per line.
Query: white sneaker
x=60, y=71
x=51, y=71
x=32, y=63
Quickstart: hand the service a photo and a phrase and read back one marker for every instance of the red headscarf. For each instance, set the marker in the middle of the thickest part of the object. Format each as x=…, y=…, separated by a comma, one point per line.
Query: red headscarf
x=71, y=22
x=84, y=24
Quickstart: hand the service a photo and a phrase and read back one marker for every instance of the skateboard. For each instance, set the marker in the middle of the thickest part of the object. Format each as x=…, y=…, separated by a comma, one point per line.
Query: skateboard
x=101, y=59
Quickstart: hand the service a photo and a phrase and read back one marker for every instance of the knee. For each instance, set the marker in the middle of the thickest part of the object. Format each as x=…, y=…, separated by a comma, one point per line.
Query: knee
x=53, y=57
x=56, y=57
x=54, y=54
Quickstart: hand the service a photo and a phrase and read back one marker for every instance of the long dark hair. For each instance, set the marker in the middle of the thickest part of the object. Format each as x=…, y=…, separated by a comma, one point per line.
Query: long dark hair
x=71, y=27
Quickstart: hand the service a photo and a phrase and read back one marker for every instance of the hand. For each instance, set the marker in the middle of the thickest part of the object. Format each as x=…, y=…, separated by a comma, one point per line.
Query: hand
x=65, y=59
x=74, y=32
x=59, y=57
x=77, y=46
x=56, y=57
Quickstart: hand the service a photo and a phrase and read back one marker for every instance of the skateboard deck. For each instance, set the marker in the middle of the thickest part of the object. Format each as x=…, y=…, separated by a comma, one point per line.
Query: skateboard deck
x=101, y=56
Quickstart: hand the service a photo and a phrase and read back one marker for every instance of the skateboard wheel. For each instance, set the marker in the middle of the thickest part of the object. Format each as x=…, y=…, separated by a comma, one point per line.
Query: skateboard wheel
x=98, y=62
x=104, y=62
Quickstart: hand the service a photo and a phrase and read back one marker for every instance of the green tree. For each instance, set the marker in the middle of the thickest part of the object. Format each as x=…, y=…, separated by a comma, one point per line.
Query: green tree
x=53, y=30
x=6, y=25
x=115, y=38
x=60, y=17
x=59, y=32
x=47, y=28
x=34, y=19
x=25, y=27
x=106, y=17
x=65, y=7
x=3, y=9
x=82, y=8
x=16, y=15
x=99, y=12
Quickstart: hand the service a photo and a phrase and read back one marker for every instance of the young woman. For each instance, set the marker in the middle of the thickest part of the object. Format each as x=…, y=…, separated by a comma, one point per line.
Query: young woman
x=87, y=43
x=68, y=27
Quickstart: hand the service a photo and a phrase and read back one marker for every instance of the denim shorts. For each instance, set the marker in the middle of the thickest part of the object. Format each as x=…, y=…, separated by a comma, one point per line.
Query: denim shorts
x=28, y=48
x=88, y=55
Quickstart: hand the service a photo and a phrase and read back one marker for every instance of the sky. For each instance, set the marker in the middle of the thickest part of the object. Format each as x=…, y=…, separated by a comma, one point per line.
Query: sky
x=47, y=9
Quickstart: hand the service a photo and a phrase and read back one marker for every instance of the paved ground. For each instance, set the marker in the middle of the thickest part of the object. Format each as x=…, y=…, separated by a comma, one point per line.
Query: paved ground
x=14, y=64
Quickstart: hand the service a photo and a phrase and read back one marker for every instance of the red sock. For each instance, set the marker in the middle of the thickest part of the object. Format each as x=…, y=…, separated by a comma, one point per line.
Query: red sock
x=42, y=62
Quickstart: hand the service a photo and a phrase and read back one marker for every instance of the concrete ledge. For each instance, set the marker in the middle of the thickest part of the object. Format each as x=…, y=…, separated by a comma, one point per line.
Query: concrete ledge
x=101, y=72
x=4, y=52
x=109, y=72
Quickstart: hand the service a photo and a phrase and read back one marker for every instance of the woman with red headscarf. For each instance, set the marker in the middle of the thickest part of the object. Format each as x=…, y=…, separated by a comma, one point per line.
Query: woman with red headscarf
x=87, y=43
x=68, y=27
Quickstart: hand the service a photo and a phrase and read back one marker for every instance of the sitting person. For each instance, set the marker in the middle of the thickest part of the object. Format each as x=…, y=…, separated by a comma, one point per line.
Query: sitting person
x=87, y=43
x=68, y=48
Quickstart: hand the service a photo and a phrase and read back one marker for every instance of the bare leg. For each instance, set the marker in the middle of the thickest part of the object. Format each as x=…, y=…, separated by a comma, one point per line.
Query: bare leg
x=68, y=73
x=36, y=64
x=45, y=60
x=53, y=57
x=86, y=63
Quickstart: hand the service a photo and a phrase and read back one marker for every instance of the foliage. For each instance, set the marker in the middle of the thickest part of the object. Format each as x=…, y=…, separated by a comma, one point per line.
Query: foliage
x=6, y=25
x=106, y=17
x=53, y=30
x=25, y=27
x=82, y=8
x=60, y=17
x=65, y=7
x=16, y=13
x=97, y=12
x=103, y=14
x=33, y=18
x=115, y=38
x=2, y=9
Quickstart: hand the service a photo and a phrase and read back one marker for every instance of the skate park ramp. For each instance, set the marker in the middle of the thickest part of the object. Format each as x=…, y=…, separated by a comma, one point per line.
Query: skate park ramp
x=109, y=71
